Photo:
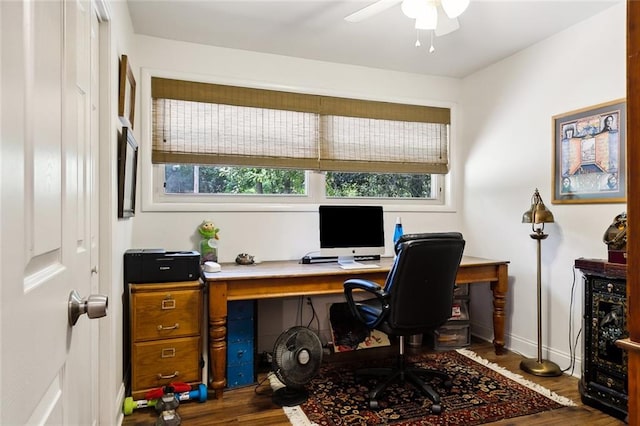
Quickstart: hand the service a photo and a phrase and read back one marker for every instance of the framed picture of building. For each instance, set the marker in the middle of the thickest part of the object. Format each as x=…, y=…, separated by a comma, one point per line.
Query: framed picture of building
x=589, y=162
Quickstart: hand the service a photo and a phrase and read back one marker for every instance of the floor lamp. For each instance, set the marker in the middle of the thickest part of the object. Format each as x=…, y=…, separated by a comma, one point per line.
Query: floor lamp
x=537, y=216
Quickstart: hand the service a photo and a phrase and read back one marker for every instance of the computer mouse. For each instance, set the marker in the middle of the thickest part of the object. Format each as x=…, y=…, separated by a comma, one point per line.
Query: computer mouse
x=212, y=267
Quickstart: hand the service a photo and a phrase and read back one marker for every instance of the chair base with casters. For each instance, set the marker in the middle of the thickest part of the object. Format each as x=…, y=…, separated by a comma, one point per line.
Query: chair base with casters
x=403, y=373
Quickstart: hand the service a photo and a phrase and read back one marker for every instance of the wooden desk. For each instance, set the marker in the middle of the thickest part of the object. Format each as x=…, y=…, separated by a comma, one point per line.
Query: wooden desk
x=290, y=278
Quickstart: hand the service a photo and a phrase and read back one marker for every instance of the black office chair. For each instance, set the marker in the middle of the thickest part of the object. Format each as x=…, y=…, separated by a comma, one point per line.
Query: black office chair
x=417, y=298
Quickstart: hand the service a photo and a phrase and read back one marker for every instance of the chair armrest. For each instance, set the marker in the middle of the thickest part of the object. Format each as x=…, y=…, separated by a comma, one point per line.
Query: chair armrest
x=370, y=287
x=358, y=283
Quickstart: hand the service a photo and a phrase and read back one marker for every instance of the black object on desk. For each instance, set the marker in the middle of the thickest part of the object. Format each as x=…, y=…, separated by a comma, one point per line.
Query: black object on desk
x=307, y=260
x=159, y=266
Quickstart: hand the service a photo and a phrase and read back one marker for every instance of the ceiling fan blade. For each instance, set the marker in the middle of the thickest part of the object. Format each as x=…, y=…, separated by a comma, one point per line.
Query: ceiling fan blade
x=371, y=10
x=445, y=25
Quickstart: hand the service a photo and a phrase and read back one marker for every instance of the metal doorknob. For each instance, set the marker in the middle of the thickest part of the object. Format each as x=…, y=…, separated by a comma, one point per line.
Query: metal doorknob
x=95, y=306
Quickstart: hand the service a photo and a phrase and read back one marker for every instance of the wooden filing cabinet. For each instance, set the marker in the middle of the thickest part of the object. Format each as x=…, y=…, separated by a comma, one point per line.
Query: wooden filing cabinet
x=165, y=334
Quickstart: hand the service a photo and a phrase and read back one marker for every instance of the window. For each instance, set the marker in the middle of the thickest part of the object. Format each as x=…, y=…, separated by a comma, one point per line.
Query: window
x=203, y=179
x=216, y=180
x=215, y=139
x=380, y=185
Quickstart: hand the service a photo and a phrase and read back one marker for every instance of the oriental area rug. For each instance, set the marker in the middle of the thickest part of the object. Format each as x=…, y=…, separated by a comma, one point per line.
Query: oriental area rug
x=482, y=392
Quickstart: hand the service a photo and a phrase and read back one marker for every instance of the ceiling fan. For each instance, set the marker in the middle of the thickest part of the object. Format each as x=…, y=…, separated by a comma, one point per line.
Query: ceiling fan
x=437, y=15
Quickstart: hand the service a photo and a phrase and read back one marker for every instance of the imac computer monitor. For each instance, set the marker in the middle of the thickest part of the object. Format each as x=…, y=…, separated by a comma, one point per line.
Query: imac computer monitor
x=349, y=231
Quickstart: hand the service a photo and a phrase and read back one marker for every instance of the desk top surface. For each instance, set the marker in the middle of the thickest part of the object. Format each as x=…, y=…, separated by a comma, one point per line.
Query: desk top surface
x=292, y=268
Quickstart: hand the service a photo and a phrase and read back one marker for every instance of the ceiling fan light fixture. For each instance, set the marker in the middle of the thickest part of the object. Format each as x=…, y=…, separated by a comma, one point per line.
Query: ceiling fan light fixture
x=413, y=8
x=437, y=16
x=454, y=8
x=446, y=25
x=428, y=19
x=428, y=22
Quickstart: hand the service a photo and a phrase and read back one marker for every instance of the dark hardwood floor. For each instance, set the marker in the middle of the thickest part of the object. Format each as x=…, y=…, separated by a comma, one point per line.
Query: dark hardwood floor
x=252, y=405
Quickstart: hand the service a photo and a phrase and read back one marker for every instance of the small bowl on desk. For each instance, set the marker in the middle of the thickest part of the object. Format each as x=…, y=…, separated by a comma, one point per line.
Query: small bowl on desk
x=245, y=259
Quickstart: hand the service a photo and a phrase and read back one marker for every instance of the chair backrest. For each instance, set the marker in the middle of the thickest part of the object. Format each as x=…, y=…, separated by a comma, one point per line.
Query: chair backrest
x=421, y=282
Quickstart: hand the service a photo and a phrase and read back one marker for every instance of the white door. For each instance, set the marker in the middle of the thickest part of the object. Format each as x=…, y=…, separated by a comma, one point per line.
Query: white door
x=48, y=368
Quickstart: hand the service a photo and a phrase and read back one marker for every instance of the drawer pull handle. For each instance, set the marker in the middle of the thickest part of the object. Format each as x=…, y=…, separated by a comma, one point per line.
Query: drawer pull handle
x=169, y=376
x=170, y=327
x=609, y=287
x=168, y=304
x=168, y=353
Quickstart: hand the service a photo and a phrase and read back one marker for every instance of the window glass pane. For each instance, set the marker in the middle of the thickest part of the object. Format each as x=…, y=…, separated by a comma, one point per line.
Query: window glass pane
x=380, y=185
x=179, y=178
x=235, y=180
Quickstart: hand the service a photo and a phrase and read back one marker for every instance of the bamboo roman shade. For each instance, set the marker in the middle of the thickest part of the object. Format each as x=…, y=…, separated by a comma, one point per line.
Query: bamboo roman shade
x=203, y=123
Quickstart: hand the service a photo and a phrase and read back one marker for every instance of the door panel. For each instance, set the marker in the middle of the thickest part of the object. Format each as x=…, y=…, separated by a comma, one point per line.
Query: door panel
x=46, y=365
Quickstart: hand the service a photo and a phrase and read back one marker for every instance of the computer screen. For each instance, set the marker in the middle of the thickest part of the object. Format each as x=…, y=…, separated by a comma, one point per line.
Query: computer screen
x=349, y=230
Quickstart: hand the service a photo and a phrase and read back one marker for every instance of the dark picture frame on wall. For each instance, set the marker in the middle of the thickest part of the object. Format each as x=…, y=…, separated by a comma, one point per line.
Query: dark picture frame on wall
x=127, y=171
x=589, y=161
x=126, y=93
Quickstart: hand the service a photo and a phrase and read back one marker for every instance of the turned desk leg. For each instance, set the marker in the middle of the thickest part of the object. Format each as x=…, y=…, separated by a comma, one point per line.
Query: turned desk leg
x=499, y=289
x=217, y=337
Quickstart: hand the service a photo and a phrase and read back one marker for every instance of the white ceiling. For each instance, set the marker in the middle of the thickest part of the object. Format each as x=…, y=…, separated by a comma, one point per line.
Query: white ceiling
x=490, y=30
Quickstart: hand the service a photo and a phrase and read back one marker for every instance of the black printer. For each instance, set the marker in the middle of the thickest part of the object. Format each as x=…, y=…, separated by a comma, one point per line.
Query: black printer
x=159, y=265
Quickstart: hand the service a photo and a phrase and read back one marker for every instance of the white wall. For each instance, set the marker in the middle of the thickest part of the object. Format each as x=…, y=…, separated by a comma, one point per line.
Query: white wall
x=507, y=144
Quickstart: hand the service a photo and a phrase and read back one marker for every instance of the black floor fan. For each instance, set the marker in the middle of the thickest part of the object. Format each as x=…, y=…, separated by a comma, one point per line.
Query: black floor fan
x=297, y=355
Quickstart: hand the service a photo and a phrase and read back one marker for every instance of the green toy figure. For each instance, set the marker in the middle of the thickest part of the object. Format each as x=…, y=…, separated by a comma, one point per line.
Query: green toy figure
x=209, y=242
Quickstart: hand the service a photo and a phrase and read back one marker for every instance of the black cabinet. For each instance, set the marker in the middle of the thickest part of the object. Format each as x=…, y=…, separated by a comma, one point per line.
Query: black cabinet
x=604, y=365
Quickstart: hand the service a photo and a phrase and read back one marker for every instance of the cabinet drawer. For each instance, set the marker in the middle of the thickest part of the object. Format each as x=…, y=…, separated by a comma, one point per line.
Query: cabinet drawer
x=240, y=309
x=240, y=330
x=240, y=353
x=450, y=337
x=240, y=375
x=603, y=285
x=165, y=314
x=610, y=381
x=164, y=361
x=610, y=398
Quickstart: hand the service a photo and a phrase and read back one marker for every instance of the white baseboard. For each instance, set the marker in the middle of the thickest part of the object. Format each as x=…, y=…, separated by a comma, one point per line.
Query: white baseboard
x=529, y=349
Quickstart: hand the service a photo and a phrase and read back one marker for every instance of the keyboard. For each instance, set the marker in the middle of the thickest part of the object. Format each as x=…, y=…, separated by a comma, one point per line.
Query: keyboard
x=356, y=265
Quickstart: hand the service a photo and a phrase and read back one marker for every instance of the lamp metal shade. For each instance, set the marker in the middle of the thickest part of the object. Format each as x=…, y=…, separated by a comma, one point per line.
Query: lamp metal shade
x=541, y=214
x=527, y=216
x=538, y=212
